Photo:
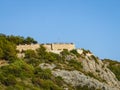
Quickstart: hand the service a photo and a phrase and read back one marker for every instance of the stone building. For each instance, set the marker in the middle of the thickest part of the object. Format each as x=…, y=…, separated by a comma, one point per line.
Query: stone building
x=48, y=46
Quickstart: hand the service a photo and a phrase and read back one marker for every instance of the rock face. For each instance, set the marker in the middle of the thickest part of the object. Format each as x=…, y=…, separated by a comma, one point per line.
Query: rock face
x=46, y=66
x=100, y=70
x=77, y=78
x=102, y=78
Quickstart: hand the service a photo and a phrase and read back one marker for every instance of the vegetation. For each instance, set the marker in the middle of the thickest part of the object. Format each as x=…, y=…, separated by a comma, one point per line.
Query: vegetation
x=85, y=88
x=22, y=74
x=75, y=52
x=114, y=66
x=18, y=39
x=75, y=64
x=7, y=49
x=25, y=73
x=85, y=51
x=95, y=58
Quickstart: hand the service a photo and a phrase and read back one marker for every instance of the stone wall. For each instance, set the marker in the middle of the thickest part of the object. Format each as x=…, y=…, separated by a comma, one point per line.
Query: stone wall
x=61, y=46
x=26, y=47
x=48, y=46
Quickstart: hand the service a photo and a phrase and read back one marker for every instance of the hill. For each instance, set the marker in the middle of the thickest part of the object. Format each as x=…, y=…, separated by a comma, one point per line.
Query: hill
x=39, y=69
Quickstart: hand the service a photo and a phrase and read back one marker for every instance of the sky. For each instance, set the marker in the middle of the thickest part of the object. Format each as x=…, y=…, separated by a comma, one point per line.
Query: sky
x=90, y=24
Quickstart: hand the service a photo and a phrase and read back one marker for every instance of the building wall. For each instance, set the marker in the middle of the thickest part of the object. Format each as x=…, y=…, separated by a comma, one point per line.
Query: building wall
x=49, y=47
x=62, y=46
x=26, y=47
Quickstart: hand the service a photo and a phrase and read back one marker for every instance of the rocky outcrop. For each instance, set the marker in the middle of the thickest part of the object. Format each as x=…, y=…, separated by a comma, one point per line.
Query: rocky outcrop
x=99, y=69
x=77, y=78
x=93, y=74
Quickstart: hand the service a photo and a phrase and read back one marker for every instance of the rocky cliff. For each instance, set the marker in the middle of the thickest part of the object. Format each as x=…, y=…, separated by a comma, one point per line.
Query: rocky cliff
x=92, y=72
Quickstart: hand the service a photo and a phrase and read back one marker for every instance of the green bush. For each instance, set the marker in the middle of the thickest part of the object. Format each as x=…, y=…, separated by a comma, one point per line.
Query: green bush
x=33, y=61
x=7, y=49
x=46, y=84
x=59, y=81
x=43, y=73
x=19, y=69
x=75, y=52
x=30, y=54
x=10, y=80
x=65, y=52
x=75, y=64
x=85, y=88
x=20, y=40
x=96, y=60
x=41, y=52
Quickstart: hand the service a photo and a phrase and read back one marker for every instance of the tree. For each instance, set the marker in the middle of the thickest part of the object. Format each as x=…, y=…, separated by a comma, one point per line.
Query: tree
x=30, y=40
x=7, y=49
x=41, y=52
x=1, y=53
x=65, y=52
x=75, y=52
x=30, y=54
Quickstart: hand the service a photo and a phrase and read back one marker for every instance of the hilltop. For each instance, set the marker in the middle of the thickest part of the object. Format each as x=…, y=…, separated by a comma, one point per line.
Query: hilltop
x=53, y=68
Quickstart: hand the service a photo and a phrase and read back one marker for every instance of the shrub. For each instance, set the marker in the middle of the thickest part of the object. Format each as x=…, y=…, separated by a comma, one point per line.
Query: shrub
x=7, y=49
x=33, y=61
x=43, y=74
x=10, y=80
x=65, y=52
x=19, y=69
x=59, y=81
x=41, y=52
x=30, y=54
x=77, y=65
x=46, y=84
x=75, y=52
x=93, y=57
x=84, y=88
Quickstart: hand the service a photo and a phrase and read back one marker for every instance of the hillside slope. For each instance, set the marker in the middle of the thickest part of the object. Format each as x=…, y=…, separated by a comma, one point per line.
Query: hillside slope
x=78, y=69
x=85, y=70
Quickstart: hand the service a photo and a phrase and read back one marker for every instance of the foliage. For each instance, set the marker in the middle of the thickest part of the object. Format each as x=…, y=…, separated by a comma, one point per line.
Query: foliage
x=59, y=81
x=45, y=79
x=32, y=61
x=75, y=52
x=7, y=49
x=29, y=40
x=77, y=65
x=18, y=69
x=93, y=57
x=41, y=52
x=52, y=57
x=85, y=88
x=85, y=51
x=65, y=52
x=18, y=39
x=14, y=76
x=44, y=74
x=9, y=80
x=114, y=66
x=30, y=54
x=26, y=74
x=48, y=57
x=46, y=84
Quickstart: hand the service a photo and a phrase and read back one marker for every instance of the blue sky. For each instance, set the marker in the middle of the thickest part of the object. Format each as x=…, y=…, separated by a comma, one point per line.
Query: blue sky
x=90, y=24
